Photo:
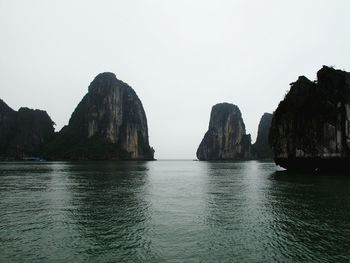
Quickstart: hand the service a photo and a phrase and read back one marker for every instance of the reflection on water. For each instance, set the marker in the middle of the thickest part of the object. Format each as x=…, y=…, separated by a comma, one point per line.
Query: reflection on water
x=109, y=208
x=311, y=214
x=171, y=211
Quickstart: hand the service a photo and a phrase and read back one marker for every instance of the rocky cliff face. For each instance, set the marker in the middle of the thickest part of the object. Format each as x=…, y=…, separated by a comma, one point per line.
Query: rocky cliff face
x=108, y=123
x=261, y=148
x=7, y=125
x=23, y=133
x=311, y=126
x=226, y=138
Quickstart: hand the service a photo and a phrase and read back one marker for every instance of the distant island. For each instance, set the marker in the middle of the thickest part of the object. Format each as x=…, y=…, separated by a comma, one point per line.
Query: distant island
x=226, y=138
x=24, y=133
x=108, y=124
x=310, y=129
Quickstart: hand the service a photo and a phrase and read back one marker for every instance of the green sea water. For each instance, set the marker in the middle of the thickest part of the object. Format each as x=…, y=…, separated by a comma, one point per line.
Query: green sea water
x=171, y=211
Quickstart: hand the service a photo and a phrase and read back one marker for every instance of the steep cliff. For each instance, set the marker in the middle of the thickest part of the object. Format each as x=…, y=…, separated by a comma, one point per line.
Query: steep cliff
x=226, y=138
x=7, y=126
x=108, y=123
x=261, y=148
x=310, y=129
x=23, y=133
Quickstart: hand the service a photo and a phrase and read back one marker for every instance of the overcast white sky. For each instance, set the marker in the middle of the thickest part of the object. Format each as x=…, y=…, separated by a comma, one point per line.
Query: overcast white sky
x=181, y=57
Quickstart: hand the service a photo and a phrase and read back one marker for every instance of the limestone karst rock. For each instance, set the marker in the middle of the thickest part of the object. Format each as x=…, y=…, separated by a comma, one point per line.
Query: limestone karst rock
x=261, y=148
x=108, y=123
x=7, y=125
x=226, y=138
x=23, y=133
x=310, y=129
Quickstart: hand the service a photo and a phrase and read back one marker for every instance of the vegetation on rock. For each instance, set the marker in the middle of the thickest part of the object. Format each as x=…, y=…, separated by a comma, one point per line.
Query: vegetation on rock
x=108, y=123
x=23, y=133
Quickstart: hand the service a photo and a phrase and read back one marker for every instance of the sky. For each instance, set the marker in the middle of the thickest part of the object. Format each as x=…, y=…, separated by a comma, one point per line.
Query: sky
x=181, y=57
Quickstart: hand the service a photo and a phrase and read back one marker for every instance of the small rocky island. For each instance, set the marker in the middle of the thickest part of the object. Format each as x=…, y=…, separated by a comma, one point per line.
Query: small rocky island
x=310, y=129
x=108, y=123
x=23, y=133
x=226, y=138
x=261, y=148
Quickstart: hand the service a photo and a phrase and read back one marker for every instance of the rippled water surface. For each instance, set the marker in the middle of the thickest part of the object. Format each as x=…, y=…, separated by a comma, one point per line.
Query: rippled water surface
x=171, y=211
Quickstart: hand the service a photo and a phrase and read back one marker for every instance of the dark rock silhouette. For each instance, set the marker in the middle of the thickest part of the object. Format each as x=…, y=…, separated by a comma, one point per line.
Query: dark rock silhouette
x=226, y=138
x=310, y=129
x=108, y=123
x=7, y=126
x=23, y=133
x=261, y=148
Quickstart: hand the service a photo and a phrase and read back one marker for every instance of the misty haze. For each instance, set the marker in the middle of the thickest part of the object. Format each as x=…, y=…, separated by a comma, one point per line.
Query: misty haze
x=174, y=131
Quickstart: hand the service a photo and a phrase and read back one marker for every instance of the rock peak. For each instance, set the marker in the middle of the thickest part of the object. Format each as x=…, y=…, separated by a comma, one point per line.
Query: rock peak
x=106, y=80
x=4, y=107
x=105, y=76
x=108, y=123
x=221, y=111
x=225, y=106
x=331, y=69
x=226, y=138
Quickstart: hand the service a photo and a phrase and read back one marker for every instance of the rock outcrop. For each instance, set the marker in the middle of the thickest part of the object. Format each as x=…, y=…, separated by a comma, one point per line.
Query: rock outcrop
x=261, y=148
x=226, y=138
x=23, y=133
x=108, y=123
x=310, y=129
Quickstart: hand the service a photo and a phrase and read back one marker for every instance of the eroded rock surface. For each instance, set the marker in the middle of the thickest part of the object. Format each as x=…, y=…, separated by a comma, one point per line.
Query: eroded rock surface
x=226, y=138
x=310, y=129
x=261, y=148
x=108, y=123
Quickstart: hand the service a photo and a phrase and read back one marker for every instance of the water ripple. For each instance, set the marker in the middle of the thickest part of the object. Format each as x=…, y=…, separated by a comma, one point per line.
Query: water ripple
x=171, y=211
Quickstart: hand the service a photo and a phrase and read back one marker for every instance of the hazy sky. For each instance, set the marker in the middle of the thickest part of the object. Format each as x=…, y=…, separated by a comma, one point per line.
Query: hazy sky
x=181, y=57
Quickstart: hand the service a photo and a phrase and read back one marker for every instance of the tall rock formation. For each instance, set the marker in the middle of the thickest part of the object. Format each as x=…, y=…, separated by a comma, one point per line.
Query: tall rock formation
x=23, y=133
x=310, y=129
x=108, y=123
x=226, y=138
x=261, y=148
x=7, y=126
